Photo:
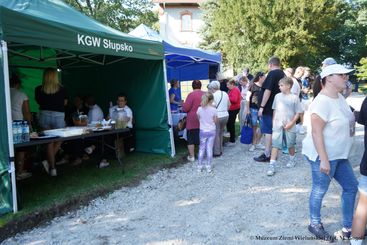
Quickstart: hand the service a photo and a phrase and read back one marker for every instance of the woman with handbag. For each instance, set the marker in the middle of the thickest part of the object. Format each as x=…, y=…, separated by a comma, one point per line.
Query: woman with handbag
x=221, y=102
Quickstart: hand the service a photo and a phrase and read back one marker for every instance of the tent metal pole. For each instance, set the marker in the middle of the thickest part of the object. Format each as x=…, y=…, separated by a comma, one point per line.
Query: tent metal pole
x=173, y=149
x=4, y=49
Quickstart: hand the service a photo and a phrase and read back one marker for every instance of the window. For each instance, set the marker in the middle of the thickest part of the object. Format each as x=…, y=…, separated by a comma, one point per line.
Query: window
x=186, y=21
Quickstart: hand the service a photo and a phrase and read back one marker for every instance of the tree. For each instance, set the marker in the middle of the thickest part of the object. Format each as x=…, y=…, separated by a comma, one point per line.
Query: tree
x=122, y=15
x=300, y=32
x=361, y=5
x=350, y=38
x=362, y=69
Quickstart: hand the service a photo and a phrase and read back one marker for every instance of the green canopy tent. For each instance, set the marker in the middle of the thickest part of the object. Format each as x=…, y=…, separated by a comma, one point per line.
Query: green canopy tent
x=93, y=59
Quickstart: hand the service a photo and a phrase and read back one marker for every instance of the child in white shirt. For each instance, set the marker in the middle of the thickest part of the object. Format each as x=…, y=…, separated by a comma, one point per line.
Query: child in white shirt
x=287, y=109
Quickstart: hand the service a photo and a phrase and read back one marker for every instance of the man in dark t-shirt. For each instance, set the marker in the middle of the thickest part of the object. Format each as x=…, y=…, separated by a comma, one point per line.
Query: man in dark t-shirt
x=267, y=93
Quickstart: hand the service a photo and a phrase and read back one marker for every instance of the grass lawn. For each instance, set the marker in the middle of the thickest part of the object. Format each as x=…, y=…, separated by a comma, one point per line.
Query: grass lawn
x=41, y=192
x=42, y=197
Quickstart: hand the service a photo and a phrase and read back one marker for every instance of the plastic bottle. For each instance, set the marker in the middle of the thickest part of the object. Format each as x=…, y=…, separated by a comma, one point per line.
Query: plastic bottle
x=25, y=131
x=15, y=131
x=18, y=134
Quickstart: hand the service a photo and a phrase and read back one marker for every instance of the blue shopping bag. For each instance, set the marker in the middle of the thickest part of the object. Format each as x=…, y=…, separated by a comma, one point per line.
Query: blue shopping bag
x=246, y=131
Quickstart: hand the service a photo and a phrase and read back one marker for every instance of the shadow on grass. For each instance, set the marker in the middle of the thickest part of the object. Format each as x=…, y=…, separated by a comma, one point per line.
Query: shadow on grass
x=42, y=197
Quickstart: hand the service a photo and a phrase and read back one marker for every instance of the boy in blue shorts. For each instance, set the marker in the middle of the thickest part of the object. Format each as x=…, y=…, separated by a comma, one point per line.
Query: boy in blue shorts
x=287, y=109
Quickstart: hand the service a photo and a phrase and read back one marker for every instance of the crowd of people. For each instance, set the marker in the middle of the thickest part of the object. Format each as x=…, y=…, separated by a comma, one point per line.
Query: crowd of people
x=55, y=112
x=277, y=102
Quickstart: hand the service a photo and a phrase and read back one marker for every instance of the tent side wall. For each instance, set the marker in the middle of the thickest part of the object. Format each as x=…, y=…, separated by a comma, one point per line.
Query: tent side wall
x=5, y=184
x=142, y=82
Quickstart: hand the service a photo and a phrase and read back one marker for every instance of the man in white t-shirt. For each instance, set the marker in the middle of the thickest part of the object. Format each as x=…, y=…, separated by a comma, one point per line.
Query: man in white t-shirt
x=95, y=113
x=122, y=107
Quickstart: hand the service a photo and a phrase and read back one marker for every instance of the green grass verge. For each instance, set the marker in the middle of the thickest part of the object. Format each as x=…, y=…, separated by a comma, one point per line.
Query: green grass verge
x=42, y=192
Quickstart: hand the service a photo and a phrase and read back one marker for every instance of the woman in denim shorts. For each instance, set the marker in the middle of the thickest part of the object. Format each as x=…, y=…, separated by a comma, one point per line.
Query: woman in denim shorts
x=51, y=98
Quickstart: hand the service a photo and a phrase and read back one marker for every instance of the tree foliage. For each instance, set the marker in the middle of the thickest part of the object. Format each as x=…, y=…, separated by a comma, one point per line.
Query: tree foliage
x=300, y=32
x=123, y=15
x=361, y=6
x=362, y=69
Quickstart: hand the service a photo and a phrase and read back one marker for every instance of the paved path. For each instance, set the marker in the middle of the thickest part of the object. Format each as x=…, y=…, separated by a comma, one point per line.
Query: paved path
x=236, y=204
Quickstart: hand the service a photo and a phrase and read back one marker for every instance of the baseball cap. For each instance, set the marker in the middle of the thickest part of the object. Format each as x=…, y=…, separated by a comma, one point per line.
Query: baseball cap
x=329, y=61
x=334, y=69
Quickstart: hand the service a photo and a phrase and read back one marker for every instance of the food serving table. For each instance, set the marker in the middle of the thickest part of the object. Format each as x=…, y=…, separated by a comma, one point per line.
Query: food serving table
x=92, y=134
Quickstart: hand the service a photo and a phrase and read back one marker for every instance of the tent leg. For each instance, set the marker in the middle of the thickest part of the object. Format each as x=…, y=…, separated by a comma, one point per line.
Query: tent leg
x=173, y=149
x=4, y=49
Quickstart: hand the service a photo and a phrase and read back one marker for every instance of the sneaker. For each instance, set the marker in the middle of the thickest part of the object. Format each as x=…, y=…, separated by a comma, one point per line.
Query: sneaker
x=103, y=164
x=230, y=144
x=227, y=135
x=291, y=163
x=271, y=170
x=262, y=158
x=53, y=172
x=252, y=148
x=45, y=166
x=200, y=168
x=23, y=175
x=62, y=161
x=209, y=169
x=344, y=234
x=190, y=159
x=89, y=150
x=260, y=146
x=320, y=233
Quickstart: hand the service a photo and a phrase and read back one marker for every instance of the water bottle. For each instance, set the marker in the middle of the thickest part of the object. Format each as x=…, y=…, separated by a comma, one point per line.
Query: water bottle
x=25, y=131
x=19, y=135
x=15, y=131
